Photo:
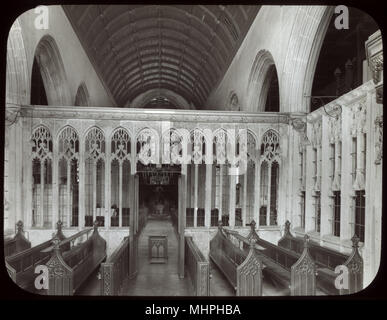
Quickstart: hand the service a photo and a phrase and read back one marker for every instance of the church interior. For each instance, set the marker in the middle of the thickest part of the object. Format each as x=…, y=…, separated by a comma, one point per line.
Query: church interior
x=193, y=150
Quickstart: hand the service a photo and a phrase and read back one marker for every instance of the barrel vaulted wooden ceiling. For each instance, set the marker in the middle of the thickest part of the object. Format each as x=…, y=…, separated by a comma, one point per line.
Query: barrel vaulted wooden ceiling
x=183, y=48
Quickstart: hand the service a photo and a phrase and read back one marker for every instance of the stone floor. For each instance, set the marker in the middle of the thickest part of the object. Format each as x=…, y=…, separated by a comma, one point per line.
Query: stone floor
x=158, y=279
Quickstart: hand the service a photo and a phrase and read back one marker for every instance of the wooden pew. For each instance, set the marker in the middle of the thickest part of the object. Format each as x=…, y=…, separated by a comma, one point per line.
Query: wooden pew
x=327, y=260
x=21, y=266
x=69, y=270
x=17, y=243
x=197, y=267
x=243, y=271
x=294, y=273
x=115, y=270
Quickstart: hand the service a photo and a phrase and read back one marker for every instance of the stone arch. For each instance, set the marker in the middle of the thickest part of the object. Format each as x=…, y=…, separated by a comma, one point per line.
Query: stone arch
x=261, y=75
x=53, y=73
x=315, y=53
x=17, y=83
x=82, y=98
x=298, y=54
x=121, y=144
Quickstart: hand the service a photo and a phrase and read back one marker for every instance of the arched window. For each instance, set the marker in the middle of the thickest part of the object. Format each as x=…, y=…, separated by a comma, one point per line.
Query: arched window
x=270, y=159
x=42, y=149
x=95, y=177
x=82, y=97
x=68, y=151
x=120, y=175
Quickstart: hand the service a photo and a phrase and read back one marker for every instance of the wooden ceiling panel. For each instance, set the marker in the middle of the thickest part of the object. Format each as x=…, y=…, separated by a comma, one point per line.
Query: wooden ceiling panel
x=183, y=48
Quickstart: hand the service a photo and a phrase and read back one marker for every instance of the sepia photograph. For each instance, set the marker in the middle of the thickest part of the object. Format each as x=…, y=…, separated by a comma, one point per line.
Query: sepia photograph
x=193, y=150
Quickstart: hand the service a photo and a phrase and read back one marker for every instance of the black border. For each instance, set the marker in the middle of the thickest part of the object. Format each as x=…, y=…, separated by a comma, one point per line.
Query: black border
x=257, y=306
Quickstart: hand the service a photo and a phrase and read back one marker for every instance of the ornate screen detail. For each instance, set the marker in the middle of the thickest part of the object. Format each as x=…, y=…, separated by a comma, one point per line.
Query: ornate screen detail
x=270, y=148
x=173, y=147
x=68, y=176
x=147, y=146
x=120, y=145
x=41, y=143
x=42, y=151
x=270, y=160
x=95, y=144
x=198, y=146
x=68, y=144
x=220, y=142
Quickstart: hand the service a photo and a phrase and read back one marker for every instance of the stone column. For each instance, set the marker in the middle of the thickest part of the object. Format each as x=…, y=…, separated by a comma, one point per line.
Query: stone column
x=326, y=220
x=107, y=183
x=68, y=191
x=82, y=169
x=120, y=195
x=244, y=200
x=231, y=205
x=257, y=187
x=220, y=191
x=268, y=195
x=41, y=222
x=346, y=212
x=55, y=185
x=182, y=217
x=207, y=219
x=23, y=173
x=94, y=189
x=196, y=179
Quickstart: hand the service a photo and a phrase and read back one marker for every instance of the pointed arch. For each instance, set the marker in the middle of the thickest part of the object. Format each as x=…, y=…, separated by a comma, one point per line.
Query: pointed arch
x=52, y=71
x=120, y=144
x=82, y=98
x=17, y=83
x=262, y=74
x=95, y=143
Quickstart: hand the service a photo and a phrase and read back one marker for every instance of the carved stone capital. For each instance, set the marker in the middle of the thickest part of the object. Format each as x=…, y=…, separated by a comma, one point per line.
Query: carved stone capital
x=376, y=65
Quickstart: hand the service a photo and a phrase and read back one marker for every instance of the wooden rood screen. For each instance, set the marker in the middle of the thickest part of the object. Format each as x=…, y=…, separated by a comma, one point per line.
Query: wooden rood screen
x=69, y=270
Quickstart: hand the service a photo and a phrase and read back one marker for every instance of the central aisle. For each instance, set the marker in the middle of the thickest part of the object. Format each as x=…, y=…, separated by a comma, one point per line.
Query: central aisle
x=158, y=279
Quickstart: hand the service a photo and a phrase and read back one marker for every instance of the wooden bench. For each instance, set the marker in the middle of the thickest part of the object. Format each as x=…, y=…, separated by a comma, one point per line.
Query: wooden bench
x=68, y=271
x=287, y=270
x=17, y=243
x=21, y=266
x=115, y=270
x=197, y=268
x=327, y=260
x=243, y=271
